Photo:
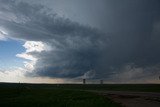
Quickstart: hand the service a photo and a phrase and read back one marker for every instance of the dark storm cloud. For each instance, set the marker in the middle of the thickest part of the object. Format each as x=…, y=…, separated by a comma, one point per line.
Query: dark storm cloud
x=75, y=48
x=78, y=50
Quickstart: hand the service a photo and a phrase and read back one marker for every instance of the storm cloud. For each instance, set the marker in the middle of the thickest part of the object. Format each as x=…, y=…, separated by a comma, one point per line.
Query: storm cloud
x=59, y=47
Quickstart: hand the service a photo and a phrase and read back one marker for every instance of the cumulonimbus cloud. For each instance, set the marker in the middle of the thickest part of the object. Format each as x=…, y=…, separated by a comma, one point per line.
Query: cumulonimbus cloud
x=59, y=47
x=74, y=48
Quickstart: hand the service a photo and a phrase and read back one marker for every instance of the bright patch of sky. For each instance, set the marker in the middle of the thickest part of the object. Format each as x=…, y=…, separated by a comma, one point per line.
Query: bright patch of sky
x=8, y=51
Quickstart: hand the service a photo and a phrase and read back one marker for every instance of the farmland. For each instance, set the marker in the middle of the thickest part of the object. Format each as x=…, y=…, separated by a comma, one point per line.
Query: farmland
x=32, y=95
x=65, y=95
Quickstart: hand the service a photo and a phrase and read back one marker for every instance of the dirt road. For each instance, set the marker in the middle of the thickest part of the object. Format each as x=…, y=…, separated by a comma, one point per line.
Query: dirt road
x=133, y=99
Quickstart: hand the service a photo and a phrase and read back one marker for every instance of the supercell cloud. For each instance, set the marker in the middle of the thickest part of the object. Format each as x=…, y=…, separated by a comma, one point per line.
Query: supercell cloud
x=58, y=47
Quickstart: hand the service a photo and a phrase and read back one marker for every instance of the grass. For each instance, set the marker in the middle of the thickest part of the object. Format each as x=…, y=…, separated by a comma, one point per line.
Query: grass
x=114, y=87
x=64, y=95
x=108, y=87
x=47, y=97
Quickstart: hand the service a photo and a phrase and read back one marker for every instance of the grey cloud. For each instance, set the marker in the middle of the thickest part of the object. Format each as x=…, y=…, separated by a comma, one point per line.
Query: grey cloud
x=131, y=73
x=78, y=49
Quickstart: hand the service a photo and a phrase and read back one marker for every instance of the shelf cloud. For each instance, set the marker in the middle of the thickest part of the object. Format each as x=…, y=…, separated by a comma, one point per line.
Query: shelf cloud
x=57, y=47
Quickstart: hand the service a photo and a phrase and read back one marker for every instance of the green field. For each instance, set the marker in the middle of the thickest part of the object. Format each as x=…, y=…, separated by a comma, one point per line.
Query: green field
x=27, y=95
x=64, y=95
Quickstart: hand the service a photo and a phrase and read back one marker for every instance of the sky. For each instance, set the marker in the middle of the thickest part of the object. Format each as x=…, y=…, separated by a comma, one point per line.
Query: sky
x=64, y=41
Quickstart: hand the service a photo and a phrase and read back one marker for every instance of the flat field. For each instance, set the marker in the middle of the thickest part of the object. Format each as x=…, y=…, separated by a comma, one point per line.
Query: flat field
x=43, y=95
x=64, y=95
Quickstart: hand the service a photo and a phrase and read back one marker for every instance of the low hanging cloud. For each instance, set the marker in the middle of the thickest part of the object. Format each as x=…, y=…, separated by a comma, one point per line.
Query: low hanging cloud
x=58, y=47
x=130, y=73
